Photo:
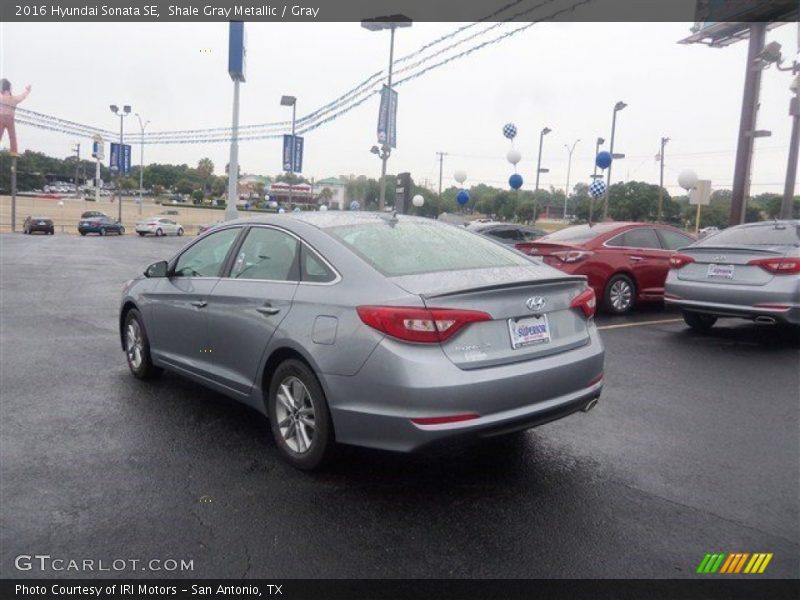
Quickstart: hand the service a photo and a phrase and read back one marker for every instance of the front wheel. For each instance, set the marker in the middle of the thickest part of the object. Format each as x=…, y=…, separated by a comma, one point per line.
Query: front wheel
x=102, y=231
x=699, y=321
x=141, y=233
x=180, y=231
x=122, y=231
x=159, y=232
x=299, y=416
x=137, y=347
x=83, y=233
x=620, y=295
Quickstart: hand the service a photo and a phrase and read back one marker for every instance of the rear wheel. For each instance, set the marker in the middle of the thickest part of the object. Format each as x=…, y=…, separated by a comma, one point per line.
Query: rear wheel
x=122, y=231
x=137, y=347
x=180, y=231
x=141, y=233
x=102, y=231
x=83, y=233
x=699, y=321
x=159, y=232
x=299, y=416
x=620, y=295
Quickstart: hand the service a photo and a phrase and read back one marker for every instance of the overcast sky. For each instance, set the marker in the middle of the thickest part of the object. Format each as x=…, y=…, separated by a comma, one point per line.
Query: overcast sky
x=560, y=75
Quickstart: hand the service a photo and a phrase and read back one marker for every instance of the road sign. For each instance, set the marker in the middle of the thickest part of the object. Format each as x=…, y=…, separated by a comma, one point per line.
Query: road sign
x=701, y=194
x=98, y=150
x=387, y=118
x=120, y=161
x=297, y=167
x=237, y=50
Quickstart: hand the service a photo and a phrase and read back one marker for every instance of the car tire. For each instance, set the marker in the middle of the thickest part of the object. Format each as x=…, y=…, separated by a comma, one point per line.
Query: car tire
x=180, y=231
x=102, y=231
x=52, y=232
x=620, y=295
x=296, y=403
x=138, y=356
x=121, y=231
x=82, y=233
x=141, y=233
x=159, y=232
x=699, y=321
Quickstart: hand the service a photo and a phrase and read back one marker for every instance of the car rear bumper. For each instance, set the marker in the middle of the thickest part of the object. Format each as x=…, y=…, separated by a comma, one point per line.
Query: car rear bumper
x=400, y=382
x=782, y=313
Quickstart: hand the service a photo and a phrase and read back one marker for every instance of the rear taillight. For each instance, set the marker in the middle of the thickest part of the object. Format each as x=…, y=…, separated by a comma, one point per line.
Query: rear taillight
x=572, y=256
x=423, y=325
x=678, y=261
x=445, y=419
x=778, y=266
x=586, y=301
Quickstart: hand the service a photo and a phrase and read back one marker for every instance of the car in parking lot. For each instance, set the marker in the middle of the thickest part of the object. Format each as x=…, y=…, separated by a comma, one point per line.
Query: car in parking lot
x=34, y=224
x=750, y=271
x=102, y=225
x=707, y=231
x=507, y=233
x=158, y=226
x=367, y=329
x=93, y=213
x=625, y=263
x=170, y=211
x=203, y=228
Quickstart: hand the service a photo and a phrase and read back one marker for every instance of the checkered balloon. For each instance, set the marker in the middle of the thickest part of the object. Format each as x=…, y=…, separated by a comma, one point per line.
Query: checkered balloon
x=510, y=131
x=597, y=188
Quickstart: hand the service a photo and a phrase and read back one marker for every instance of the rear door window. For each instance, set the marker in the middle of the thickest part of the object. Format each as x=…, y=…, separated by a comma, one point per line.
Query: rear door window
x=643, y=237
x=672, y=240
x=268, y=254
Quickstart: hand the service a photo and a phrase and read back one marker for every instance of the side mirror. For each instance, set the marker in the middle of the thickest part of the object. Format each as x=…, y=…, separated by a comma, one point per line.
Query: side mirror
x=157, y=269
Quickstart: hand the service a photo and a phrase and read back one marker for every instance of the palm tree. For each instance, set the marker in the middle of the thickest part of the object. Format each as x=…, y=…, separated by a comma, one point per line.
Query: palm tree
x=205, y=169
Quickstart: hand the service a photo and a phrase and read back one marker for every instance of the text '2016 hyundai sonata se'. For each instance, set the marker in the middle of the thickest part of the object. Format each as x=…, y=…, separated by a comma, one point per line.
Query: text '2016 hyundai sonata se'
x=367, y=329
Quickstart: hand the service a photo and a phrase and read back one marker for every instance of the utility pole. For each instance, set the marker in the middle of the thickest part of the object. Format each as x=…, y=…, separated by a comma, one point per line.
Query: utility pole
x=142, y=127
x=664, y=141
x=543, y=133
x=794, y=142
x=747, y=122
x=617, y=107
x=77, y=150
x=600, y=142
x=441, y=166
x=569, y=168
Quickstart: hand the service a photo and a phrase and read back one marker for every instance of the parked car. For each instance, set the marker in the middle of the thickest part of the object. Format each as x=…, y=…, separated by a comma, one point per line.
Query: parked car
x=749, y=271
x=158, y=226
x=507, y=233
x=366, y=329
x=93, y=213
x=170, y=211
x=625, y=263
x=34, y=224
x=706, y=231
x=102, y=225
x=204, y=228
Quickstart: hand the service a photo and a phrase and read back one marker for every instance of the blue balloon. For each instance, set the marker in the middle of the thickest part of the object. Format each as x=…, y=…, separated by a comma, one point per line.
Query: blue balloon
x=462, y=197
x=603, y=159
x=354, y=205
x=515, y=181
x=246, y=205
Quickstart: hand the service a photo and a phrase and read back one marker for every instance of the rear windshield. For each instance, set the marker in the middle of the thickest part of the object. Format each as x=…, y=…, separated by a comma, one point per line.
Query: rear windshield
x=579, y=233
x=412, y=247
x=762, y=235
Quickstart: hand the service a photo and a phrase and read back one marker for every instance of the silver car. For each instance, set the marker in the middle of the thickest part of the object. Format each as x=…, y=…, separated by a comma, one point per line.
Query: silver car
x=750, y=271
x=158, y=226
x=367, y=329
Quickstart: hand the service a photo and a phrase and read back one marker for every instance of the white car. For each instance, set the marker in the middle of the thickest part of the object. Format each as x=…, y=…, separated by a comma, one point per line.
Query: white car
x=158, y=226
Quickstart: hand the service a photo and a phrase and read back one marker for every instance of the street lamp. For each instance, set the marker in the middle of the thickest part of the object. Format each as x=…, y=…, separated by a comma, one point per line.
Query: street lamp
x=664, y=141
x=291, y=101
x=600, y=142
x=539, y=170
x=142, y=127
x=569, y=168
x=617, y=107
x=126, y=110
x=391, y=23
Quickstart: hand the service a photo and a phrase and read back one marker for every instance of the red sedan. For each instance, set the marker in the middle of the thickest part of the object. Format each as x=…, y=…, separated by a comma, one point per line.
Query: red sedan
x=625, y=263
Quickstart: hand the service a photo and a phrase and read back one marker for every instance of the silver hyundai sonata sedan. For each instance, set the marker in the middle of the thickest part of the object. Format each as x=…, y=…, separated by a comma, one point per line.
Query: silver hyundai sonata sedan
x=750, y=271
x=367, y=329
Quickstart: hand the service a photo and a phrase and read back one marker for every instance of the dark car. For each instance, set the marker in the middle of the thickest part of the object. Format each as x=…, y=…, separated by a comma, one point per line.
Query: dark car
x=101, y=225
x=92, y=213
x=204, y=228
x=170, y=211
x=625, y=263
x=34, y=224
x=507, y=233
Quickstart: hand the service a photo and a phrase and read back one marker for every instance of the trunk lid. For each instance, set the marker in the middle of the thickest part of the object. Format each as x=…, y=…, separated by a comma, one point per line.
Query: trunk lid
x=728, y=264
x=504, y=293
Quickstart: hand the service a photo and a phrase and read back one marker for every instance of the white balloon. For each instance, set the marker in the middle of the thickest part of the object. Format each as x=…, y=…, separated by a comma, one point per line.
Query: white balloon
x=514, y=156
x=418, y=200
x=323, y=208
x=61, y=203
x=687, y=179
x=460, y=176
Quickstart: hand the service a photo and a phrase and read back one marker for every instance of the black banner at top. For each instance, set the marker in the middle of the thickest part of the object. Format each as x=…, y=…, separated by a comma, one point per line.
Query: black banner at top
x=700, y=11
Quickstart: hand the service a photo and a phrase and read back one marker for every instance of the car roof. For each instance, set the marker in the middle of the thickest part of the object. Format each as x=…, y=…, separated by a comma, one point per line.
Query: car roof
x=325, y=219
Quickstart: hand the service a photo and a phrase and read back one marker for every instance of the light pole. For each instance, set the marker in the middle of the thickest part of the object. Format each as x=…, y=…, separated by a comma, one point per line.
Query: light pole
x=569, y=168
x=600, y=142
x=539, y=170
x=126, y=110
x=142, y=127
x=291, y=101
x=664, y=141
x=617, y=107
x=391, y=23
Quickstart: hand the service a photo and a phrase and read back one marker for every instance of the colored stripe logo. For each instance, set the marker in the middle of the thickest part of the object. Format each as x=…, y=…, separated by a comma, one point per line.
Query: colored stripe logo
x=737, y=562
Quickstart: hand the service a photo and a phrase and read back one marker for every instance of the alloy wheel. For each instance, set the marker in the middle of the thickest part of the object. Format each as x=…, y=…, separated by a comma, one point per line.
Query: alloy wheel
x=295, y=415
x=134, y=344
x=621, y=295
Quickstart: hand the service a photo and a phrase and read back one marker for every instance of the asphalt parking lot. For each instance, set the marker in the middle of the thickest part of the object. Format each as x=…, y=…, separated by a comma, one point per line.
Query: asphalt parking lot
x=693, y=448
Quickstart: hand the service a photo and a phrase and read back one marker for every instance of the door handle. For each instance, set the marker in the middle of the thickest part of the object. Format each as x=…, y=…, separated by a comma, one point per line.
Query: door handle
x=198, y=303
x=636, y=258
x=268, y=310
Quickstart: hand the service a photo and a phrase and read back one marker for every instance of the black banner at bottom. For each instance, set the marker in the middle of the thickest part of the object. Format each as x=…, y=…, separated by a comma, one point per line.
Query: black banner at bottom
x=398, y=589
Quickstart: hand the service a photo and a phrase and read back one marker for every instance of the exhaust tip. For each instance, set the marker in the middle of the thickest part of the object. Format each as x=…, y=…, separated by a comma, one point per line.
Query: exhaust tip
x=589, y=405
x=765, y=320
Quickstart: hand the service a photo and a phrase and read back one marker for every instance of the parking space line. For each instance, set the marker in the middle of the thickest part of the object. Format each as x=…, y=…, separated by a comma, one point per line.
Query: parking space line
x=604, y=327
